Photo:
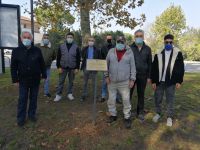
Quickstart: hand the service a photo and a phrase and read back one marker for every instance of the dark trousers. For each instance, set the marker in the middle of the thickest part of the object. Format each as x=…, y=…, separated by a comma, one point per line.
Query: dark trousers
x=25, y=93
x=170, y=93
x=141, y=82
x=88, y=75
x=62, y=76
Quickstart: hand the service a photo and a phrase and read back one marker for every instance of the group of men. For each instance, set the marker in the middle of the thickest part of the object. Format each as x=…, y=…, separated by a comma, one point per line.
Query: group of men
x=128, y=66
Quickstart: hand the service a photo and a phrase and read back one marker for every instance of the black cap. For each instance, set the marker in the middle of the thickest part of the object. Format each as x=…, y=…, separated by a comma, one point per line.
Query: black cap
x=169, y=36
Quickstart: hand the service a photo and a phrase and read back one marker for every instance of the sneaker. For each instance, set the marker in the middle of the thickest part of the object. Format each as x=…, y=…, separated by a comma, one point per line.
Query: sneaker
x=102, y=100
x=48, y=95
x=112, y=119
x=127, y=123
x=82, y=99
x=169, y=122
x=70, y=97
x=141, y=117
x=156, y=118
x=57, y=98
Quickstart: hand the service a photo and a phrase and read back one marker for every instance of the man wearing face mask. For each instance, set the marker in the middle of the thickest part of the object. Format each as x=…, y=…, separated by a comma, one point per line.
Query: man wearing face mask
x=49, y=55
x=143, y=61
x=27, y=69
x=68, y=63
x=88, y=52
x=167, y=74
x=120, y=77
x=104, y=51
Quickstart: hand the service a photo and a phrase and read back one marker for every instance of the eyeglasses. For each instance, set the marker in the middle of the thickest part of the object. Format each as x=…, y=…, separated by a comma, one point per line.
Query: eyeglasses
x=168, y=42
x=139, y=36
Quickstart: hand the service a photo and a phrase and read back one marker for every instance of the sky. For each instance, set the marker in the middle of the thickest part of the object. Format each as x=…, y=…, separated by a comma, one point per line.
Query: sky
x=151, y=8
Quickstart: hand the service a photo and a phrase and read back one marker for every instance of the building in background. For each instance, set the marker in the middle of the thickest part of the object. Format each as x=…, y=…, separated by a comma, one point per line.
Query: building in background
x=26, y=26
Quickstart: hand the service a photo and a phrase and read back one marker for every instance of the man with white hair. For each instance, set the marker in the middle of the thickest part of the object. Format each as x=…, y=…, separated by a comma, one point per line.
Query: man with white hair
x=143, y=60
x=27, y=69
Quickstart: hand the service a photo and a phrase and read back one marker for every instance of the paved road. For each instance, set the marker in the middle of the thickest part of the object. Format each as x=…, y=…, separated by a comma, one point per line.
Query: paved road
x=190, y=66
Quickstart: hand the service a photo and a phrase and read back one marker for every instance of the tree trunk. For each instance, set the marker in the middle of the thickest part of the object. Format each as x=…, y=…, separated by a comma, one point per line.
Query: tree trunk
x=85, y=21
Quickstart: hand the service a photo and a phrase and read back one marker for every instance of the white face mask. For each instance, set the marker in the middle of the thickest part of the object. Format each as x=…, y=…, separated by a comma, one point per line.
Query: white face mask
x=90, y=43
x=70, y=40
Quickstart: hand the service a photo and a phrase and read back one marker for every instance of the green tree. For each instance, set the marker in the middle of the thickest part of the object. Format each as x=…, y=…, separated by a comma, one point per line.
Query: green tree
x=100, y=12
x=54, y=16
x=172, y=21
x=190, y=44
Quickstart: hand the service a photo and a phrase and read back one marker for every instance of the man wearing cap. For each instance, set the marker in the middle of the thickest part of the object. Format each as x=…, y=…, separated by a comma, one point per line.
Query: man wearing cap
x=143, y=61
x=120, y=77
x=167, y=75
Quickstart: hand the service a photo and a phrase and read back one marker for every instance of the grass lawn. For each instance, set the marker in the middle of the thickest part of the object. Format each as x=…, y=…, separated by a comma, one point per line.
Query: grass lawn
x=68, y=125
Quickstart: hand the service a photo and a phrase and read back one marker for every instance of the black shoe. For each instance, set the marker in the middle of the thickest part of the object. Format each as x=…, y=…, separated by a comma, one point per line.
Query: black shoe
x=21, y=124
x=127, y=123
x=112, y=119
x=118, y=101
x=48, y=95
x=141, y=117
x=82, y=99
x=102, y=100
x=33, y=119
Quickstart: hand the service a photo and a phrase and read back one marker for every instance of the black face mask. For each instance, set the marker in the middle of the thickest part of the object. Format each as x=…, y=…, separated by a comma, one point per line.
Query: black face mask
x=109, y=41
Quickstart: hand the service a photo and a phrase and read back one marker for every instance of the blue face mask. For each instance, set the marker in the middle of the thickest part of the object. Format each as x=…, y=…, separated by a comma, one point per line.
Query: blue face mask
x=27, y=42
x=168, y=47
x=45, y=41
x=120, y=46
x=139, y=41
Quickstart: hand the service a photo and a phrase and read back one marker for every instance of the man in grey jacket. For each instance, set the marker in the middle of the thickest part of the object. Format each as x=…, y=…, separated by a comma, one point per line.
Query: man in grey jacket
x=120, y=77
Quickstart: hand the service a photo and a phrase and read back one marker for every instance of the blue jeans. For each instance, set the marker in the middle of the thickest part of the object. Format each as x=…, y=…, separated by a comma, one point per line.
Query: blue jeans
x=46, y=82
x=104, y=88
x=25, y=93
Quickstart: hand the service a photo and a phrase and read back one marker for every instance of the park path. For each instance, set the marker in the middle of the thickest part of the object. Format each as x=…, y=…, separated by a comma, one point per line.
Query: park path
x=190, y=66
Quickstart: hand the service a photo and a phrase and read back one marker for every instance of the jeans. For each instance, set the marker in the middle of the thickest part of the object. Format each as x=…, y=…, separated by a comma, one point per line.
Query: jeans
x=141, y=81
x=104, y=88
x=124, y=90
x=46, y=82
x=170, y=93
x=62, y=76
x=26, y=92
x=87, y=75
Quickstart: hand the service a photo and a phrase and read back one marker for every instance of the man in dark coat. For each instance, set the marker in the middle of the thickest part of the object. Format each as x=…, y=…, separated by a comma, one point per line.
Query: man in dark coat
x=143, y=60
x=27, y=69
x=167, y=74
x=88, y=52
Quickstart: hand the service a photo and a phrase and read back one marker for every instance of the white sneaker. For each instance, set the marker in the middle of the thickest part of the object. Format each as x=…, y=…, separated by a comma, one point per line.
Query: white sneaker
x=70, y=97
x=156, y=118
x=169, y=122
x=57, y=98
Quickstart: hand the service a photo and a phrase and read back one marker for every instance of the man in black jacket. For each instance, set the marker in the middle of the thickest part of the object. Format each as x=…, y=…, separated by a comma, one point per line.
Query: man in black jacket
x=167, y=74
x=27, y=68
x=143, y=60
x=88, y=52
